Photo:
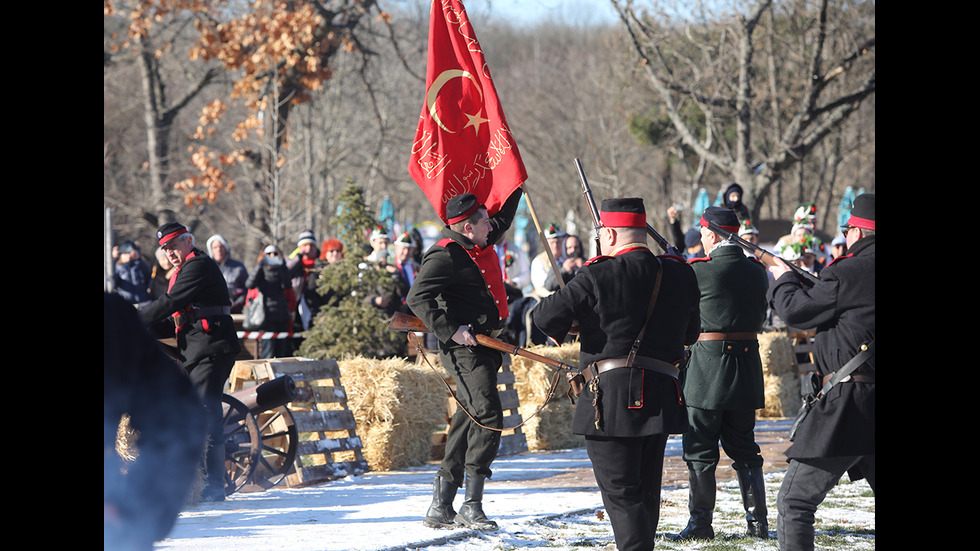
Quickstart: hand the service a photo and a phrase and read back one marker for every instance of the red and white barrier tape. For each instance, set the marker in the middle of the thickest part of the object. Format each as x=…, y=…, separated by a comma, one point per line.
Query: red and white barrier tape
x=267, y=335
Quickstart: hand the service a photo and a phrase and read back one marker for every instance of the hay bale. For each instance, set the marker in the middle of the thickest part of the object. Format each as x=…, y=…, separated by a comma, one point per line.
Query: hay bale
x=780, y=375
x=396, y=406
x=551, y=428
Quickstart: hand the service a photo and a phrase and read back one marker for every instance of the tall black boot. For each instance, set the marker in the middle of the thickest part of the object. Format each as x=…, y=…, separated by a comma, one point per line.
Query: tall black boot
x=441, y=513
x=471, y=511
x=701, y=504
x=753, y=487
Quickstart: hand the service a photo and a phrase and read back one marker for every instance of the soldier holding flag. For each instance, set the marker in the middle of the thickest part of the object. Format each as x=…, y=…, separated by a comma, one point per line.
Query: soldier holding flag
x=466, y=161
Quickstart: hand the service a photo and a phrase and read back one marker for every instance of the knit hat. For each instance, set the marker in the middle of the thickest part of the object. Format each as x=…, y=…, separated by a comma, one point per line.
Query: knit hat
x=624, y=212
x=169, y=231
x=217, y=238
x=306, y=237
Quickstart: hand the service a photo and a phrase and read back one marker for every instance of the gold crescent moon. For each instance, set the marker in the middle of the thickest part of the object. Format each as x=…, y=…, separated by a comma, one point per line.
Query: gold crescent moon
x=438, y=83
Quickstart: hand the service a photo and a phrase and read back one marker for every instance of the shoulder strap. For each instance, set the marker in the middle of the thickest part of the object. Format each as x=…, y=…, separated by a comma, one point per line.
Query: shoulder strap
x=653, y=302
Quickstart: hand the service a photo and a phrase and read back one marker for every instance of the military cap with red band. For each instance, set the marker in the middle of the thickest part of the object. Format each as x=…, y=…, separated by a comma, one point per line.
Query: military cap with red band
x=624, y=212
x=169, y=231
x=461, y=207
x=863, y=212
x=720, y=216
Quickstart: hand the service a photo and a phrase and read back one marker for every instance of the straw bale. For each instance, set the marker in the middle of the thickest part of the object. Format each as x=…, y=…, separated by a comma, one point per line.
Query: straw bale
x=396, y=406
x=780, y=375
x=551, y=428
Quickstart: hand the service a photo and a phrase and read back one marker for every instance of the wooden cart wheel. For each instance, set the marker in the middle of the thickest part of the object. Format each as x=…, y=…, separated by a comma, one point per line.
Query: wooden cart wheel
x=278, y=452
x=243, y=440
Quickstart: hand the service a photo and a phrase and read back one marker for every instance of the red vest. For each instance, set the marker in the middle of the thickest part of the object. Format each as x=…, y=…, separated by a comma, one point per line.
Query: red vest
x=489, y=264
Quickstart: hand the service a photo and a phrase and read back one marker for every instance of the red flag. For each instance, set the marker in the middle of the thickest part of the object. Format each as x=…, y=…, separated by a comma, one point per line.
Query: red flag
x=463, y=143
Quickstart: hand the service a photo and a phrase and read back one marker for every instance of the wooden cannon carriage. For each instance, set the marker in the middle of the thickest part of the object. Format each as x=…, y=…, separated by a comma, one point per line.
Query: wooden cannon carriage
x=260, y=435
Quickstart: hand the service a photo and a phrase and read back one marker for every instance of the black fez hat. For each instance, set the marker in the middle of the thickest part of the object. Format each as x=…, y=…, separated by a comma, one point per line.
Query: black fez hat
x=863, y=212
x=623, y=212
x=461, y=207
x=720, y=216
x=170, y=230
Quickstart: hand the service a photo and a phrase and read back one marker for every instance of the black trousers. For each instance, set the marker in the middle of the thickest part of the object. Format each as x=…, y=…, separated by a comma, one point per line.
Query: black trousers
x=209, y=375
x=629, y=472
x=804, y=487
x=470, y=448
x=735, y=430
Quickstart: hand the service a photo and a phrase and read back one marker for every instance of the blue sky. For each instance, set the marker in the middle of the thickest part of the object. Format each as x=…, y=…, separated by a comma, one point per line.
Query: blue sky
x=531, y=11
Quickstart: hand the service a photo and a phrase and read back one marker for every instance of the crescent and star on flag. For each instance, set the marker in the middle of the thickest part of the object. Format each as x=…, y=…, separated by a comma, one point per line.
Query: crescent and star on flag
x=446, y=158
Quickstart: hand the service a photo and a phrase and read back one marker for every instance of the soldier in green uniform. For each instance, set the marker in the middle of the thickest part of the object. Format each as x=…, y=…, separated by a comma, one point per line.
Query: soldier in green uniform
x=723, y=380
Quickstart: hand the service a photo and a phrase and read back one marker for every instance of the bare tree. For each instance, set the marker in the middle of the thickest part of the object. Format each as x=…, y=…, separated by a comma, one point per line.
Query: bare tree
x=753, y=95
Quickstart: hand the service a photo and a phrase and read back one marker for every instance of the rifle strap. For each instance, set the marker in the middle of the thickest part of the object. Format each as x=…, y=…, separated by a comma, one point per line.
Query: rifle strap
x=417, y=342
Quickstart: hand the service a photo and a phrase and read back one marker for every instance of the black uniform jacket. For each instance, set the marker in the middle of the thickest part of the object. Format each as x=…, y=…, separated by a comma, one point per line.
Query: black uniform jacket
x=199, y=284
x=450, y=289
x=841, y=308
x=610, y=297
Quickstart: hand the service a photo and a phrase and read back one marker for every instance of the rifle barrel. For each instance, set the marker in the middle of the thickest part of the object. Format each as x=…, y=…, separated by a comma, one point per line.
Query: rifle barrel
x=761, y=253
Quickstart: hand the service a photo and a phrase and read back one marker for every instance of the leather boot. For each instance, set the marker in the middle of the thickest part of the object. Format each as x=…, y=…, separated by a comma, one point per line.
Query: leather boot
x=471, y=511
x=701, y=504
x=753, y=487
x=441, y=513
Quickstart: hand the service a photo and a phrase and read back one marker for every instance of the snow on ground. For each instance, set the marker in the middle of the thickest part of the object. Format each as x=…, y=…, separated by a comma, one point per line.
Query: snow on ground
x=383, y=511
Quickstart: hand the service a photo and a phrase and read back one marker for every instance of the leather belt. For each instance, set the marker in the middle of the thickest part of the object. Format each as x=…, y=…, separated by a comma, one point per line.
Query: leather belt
x=190, y=316
x=639, y=362
x=716, y=336
x=854, y=377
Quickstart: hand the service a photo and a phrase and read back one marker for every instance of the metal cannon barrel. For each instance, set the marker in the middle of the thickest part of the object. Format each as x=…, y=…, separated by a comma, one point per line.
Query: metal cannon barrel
x=269, y=395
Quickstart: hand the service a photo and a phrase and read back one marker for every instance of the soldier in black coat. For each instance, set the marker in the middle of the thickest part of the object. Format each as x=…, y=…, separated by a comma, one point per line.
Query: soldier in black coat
x=207, y=342
x=838, y=434
x=633, y=401
x=459, y=291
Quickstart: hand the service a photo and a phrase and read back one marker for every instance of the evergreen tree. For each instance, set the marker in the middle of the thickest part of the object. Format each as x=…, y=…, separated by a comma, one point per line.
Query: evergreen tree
x=347, y=324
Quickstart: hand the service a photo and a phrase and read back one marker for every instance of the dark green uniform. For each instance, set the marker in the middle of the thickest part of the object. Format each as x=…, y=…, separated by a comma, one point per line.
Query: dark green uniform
x=723, y=386
x=724, y=376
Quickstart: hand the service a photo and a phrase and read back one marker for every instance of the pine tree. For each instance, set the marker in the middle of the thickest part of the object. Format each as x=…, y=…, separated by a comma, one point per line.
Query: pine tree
x=347, y=325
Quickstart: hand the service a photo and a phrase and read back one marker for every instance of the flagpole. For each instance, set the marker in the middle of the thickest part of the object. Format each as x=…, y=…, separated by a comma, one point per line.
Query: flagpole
x=544, y=240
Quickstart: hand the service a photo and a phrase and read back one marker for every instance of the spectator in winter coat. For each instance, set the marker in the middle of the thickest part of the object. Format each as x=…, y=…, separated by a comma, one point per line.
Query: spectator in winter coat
x=271, y=279
x=235, y=272
x=132, y=274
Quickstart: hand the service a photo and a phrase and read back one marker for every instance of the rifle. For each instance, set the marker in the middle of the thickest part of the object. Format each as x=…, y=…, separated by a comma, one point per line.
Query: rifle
x=405, y=322
x=587, y=192
x=762, y=254
x=593, y=210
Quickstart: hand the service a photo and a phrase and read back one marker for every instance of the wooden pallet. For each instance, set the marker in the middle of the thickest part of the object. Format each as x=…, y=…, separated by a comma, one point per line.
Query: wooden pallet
x=328, y=446
x=511, y=441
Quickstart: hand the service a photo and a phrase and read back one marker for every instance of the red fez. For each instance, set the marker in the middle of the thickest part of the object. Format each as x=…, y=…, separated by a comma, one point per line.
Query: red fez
x=623, y=213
